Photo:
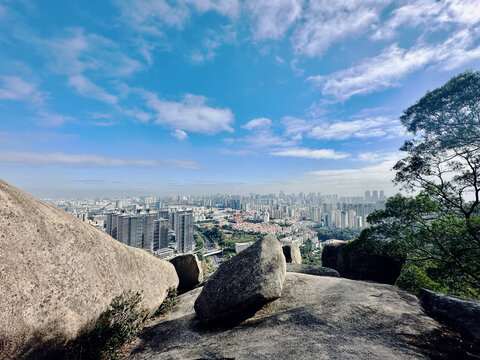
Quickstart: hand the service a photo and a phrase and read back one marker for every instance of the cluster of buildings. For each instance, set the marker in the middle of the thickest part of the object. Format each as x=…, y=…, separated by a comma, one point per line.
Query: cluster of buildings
x=165, y=225
x=153, y=230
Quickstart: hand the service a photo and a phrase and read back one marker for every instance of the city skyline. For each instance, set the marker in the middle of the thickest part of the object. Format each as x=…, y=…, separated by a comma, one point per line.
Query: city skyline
x=218, y=96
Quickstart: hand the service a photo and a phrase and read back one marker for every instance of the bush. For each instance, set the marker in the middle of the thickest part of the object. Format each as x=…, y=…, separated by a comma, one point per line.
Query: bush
x=413, y=279
x=115, y=326
x=170, y=301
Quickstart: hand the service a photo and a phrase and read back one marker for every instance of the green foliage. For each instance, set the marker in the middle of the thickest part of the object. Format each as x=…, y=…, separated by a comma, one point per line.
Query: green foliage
x=198, y=243
x=414, y=278
x=170, y=301
x=115, y=326
x=439, y=229
x=339, y=234
x=308, y=257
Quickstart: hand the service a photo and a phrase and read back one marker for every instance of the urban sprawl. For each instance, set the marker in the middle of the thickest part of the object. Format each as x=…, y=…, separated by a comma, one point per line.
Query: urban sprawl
x=171, y=225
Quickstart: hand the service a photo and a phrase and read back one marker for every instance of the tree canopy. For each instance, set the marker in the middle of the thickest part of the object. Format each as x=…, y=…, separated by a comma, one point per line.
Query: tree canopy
x=438, y=230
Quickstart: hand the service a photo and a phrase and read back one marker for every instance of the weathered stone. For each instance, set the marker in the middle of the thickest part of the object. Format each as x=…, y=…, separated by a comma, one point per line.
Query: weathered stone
x=189, y=271
x=358, y=265
x=461, y=313
x=315, y=318
x=242, y=285
x=312, y=270
x=292, y=254
x=58, y=274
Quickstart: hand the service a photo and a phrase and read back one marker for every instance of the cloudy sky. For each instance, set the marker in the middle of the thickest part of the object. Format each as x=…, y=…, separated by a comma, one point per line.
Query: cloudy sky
x=159, y=96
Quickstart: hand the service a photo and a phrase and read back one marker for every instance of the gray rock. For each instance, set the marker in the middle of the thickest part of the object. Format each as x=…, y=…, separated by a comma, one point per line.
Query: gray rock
x=312, y=270
x=242, y=285
x=58, y=274
x=358, y=265
x=189, y=271
x=315, y=318
x=461, y=313
x=292, y=254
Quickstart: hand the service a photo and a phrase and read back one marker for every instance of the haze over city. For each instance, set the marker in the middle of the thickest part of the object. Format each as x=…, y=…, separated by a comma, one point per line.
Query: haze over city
x=204, y=96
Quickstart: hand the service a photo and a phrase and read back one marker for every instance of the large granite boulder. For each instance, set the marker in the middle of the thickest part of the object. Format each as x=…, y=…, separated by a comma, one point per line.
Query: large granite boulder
x=461, y=313
x=357, y=264
x=292, y=254
x=312, y=270
x=318, y=318
x=189, y=271
x=58, y=274
x=242, y=285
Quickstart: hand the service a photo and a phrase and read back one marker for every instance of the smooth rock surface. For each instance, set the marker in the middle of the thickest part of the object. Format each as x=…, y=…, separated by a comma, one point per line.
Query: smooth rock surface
x=357, y=265
x=243, y=284
x=312, y=270
x=315, y=318
x=189, y=271
x=58, y=274
x=292, y=254
x=461, y=313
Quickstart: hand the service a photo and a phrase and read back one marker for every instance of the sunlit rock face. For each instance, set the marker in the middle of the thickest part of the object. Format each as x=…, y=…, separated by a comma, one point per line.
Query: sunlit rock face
x=58, y=274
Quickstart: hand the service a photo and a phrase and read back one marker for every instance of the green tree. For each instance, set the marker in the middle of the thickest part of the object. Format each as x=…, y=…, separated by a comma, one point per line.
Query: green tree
x=439, y=229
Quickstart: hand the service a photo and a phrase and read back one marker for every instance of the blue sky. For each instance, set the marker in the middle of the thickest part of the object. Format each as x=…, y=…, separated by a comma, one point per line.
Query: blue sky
x=205, y=96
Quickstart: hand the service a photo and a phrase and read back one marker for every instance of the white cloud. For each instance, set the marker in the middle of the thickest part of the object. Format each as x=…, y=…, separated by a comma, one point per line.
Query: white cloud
x=357, y=126
x=151, y=15
x=179, y=134
x=273, y=17
x=394, y=63
x=378, y=157
x=74, y=160
x=310, y=153
x=279, y=60
x=377, y=176
x=184, y=164
x=191, y=114
x=77, y=52
x=208, y=50
x=15, y=88
x=229, y=8
x=257, y=123
x=89, y=160
x=88, y=89
x=430, y=14
x=330, y=21
x=138, y=114
x=49, y=118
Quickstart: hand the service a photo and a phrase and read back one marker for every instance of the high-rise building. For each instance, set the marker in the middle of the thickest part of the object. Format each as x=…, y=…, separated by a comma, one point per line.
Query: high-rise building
x=375, y=196
x=367, y=196
x=160, y=234
x=184, y=231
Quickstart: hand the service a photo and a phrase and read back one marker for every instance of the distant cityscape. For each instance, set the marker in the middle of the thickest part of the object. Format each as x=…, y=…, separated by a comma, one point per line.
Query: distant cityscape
x=171, y=225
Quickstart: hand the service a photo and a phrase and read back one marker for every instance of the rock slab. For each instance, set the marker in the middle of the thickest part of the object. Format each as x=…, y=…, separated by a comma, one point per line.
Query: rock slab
x=58, y=274
x=312, y=270
x=242, y=285
x=292, y=254
x=461, y=313
x=357, y=265
x=189, y=271
x=316, y=318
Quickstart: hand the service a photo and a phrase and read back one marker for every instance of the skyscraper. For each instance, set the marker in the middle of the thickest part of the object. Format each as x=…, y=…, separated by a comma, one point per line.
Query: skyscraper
x=367, y=196
x=160, y=234
x=184, y=231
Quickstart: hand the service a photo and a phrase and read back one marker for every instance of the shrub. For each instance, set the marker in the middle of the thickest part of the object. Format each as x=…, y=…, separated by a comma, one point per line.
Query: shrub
x=170, y=301
x=123, y=319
